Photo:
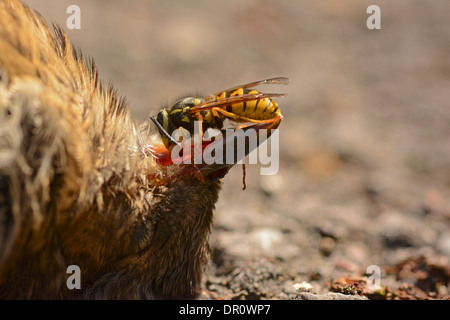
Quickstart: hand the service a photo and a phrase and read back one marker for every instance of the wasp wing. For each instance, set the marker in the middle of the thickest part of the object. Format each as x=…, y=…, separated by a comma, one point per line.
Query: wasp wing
x=213, y=102
x=278, y=80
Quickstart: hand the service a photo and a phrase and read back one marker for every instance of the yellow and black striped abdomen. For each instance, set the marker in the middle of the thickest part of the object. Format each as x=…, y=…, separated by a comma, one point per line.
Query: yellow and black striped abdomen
x=258, y=109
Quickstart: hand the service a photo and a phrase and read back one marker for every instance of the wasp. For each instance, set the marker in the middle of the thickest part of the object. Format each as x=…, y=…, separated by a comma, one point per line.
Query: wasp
x=241, y=104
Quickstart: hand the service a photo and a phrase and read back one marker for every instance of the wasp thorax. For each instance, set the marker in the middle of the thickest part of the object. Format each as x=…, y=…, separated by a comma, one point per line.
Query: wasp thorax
x=186, y=103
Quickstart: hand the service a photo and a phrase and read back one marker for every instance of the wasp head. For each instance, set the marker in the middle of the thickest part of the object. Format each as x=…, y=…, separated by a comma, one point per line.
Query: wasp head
x=175, y=117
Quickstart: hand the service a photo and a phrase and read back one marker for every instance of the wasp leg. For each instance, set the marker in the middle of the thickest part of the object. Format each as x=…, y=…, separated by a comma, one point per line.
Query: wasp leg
x=215, y=112
x=237, y=117
x=200, y=126
x=243, y=126
x=199, y=142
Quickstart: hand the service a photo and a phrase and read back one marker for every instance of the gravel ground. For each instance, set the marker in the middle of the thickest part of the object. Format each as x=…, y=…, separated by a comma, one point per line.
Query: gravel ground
x=364, y=146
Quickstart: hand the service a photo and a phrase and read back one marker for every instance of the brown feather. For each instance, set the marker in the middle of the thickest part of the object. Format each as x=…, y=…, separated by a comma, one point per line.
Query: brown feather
x=76, y=187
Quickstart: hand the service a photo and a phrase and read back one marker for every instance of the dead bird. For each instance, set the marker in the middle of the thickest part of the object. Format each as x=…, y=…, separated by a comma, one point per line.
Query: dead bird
x=82, y=184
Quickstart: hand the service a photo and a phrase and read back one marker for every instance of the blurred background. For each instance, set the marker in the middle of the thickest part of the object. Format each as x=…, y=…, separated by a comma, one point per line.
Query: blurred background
x=364, y=172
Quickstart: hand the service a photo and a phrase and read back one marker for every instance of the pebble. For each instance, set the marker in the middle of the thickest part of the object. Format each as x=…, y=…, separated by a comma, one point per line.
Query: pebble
x=302, y=286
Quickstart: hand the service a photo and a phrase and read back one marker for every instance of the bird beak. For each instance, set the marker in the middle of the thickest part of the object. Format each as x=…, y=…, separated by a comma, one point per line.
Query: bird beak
x=235, y=144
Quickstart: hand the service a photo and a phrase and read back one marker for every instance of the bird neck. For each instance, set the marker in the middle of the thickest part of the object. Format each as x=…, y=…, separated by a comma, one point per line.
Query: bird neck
x=180, y=248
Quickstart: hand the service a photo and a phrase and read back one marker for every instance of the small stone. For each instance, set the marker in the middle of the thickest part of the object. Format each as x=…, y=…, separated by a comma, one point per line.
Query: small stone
x=443, y=243
x=327, y=245
x=272, y=184
x=302, y=286
x=266, y=238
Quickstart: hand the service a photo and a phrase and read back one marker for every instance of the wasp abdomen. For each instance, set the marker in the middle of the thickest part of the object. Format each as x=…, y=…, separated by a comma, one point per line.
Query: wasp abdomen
x=258, y=109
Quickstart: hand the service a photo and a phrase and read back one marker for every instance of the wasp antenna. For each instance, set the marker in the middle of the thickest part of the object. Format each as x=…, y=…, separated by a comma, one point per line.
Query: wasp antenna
x=164, y=132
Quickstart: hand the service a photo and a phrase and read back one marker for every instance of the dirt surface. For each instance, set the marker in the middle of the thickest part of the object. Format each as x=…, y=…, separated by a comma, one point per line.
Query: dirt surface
x=364, y=148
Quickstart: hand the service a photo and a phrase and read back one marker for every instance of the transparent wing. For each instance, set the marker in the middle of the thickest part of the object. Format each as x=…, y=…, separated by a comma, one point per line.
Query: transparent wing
x=278, y=80
x=213, y=102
